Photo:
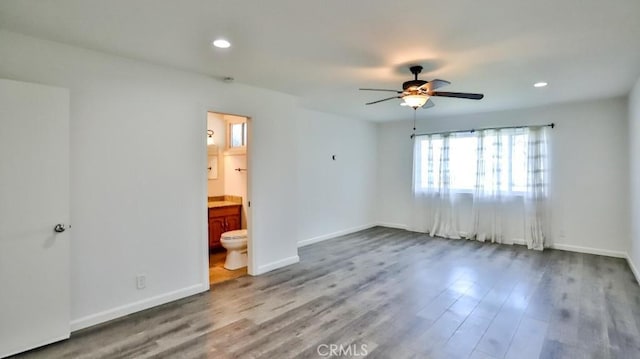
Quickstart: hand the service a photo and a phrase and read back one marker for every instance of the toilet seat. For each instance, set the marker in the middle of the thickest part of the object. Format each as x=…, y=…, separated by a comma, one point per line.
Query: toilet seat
x=237, y=234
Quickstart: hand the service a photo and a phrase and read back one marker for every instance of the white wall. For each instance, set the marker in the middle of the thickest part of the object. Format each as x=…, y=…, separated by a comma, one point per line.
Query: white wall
x=336, y=197
x=138, y=197
x=589, y=163
x=634, y=169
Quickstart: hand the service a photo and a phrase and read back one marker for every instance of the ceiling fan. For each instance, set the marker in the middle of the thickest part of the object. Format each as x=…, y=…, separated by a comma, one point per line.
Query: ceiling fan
x=417, y=93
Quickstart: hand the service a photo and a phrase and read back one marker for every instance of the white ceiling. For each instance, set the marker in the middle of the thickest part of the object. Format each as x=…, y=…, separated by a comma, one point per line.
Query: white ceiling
x=323, y=51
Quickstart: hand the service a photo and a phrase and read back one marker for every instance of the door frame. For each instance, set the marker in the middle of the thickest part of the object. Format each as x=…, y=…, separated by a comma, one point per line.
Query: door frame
x=251, y=256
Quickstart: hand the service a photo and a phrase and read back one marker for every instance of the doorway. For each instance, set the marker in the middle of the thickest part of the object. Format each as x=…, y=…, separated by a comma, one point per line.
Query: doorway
x=227, y=196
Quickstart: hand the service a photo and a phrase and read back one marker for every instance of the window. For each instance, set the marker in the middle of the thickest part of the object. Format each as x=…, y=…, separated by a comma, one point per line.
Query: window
x=490, y=160
x=237, y=134
x=462, y=164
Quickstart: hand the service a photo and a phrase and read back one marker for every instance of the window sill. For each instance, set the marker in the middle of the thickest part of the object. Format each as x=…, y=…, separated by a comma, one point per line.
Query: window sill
x=463, y=192
x=238, y=151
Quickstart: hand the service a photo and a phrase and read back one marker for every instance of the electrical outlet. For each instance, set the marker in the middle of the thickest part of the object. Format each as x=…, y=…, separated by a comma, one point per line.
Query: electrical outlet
x=141, y=281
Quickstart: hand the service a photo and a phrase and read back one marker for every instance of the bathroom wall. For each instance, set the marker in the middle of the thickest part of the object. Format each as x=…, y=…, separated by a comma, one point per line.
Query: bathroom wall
x=229, y=181
x=235, y=182
x=215, y=122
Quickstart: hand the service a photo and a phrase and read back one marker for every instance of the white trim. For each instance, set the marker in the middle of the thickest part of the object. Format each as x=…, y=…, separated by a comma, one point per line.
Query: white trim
x=519, y=241
x=560, y=246
x=235, y=151
x=248, y=210
x=588, y=250
x=393, y=225
x=277, y=264
x=130, y=308
x=634, y=270
x=324, y=237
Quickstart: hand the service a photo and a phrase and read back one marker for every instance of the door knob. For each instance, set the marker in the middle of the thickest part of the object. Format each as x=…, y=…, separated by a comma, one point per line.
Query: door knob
x=59, y=228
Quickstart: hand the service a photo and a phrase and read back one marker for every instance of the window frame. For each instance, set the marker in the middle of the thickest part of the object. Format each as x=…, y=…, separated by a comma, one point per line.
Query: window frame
x=229, y=149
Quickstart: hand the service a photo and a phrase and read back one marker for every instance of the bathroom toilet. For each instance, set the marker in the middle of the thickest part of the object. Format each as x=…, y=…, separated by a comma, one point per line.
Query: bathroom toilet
x=235, y=242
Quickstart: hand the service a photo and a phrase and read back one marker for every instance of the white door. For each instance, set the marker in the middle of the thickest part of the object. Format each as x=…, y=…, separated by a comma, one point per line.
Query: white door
x=34, y=198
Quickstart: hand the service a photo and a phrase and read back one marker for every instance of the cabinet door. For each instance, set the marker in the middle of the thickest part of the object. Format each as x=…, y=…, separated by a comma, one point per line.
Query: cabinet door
x=233, y=223
x=216, y=228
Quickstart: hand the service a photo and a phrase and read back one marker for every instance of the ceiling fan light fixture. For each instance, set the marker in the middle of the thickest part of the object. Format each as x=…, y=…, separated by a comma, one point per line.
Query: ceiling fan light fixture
x=415, y=101
x=417, y=93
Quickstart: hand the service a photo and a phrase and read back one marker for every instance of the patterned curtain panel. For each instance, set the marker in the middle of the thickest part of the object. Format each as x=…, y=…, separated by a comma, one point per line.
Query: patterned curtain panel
x=488, y=185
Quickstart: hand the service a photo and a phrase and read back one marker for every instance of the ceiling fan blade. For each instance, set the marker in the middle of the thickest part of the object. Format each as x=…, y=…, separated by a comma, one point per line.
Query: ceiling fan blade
x=428, y=104
x=470, y=96
x=434, y=84
x=384, y=99
x=396, y=91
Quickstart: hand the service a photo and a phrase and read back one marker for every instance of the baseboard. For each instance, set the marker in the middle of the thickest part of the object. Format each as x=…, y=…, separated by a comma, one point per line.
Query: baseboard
x=560, y=246
x=634, y=270
x=121, y=311
x=277, y=264
x=589, y=250
x=324, y=237
x=393, y=225
x=519, y=241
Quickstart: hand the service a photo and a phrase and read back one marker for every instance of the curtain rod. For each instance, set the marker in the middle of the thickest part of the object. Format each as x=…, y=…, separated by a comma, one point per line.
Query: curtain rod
x=552, y=125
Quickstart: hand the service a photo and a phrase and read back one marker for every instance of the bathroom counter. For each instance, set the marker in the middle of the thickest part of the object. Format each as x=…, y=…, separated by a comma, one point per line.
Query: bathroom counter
x=217, y=204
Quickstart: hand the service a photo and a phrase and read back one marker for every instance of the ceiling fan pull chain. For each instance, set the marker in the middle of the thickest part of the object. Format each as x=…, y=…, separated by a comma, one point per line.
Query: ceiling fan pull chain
x=414, y=122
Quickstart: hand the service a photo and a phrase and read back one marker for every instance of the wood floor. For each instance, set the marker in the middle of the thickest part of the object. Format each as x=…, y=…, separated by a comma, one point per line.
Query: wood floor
x=217, y=272
x=395, y=294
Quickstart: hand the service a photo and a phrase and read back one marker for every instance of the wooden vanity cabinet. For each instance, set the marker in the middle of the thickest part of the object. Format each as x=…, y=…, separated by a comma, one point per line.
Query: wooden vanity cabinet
x=223, y=219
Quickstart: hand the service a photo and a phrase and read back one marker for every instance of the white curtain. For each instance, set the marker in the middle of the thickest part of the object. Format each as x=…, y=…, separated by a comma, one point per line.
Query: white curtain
x=487, y=201
x=535, y=200
x=490, y=185
x=435, y=209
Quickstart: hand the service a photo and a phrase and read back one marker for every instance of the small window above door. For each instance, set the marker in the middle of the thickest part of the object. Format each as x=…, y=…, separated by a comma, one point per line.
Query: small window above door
x=236, y=135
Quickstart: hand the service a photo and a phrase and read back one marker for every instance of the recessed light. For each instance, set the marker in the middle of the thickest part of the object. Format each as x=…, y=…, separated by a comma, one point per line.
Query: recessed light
x=540, y=84
x=221, y=43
